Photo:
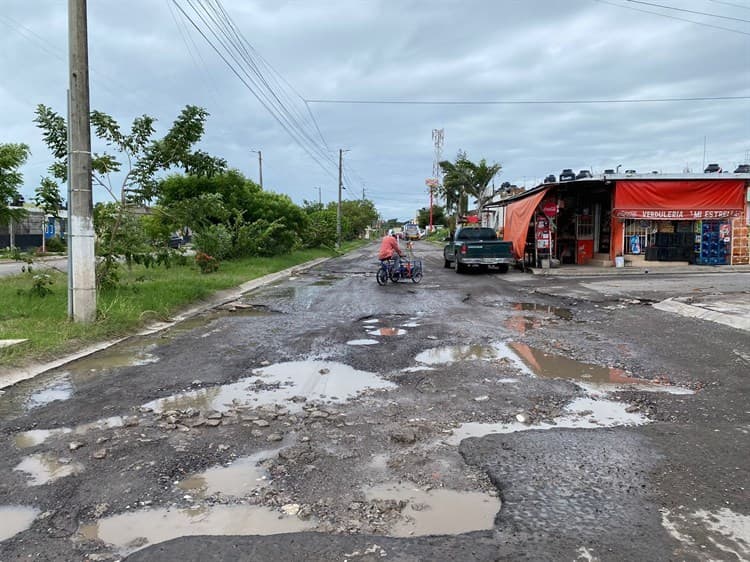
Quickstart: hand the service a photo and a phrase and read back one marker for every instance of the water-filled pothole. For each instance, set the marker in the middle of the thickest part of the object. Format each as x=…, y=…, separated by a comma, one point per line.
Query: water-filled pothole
x=36, y=437
x=592, y=377
x=581, y=413
x=47, y=467
x=362, y=342
x=562, y=313
x=129, y=532
x=438, y=511
x=315, y=380
x=457, y=353
x=15, y=518
x=386, y=332
x=235, y=480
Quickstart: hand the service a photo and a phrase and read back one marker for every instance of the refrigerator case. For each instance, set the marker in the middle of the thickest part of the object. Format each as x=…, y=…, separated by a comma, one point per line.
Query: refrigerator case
x=713, y=242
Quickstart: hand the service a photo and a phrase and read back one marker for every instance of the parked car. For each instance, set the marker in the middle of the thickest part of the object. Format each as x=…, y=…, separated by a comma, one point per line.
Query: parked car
x=609, y=171
x=583, y=174
x=478, y=247
x=712, y=169
x=550, y=179
x=743, y=169
x=176, y=241
x=567, y=175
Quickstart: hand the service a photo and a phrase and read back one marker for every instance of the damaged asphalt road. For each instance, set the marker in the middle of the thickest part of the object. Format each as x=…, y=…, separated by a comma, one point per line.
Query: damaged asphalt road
x=468, y=417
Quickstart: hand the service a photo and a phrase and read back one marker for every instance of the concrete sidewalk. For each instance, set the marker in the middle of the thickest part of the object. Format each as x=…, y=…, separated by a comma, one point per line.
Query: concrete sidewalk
x=588, y=270
x=730, y=310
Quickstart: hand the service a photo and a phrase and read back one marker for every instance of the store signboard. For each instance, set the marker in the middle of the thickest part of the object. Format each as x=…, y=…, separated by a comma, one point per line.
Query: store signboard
x=549, y=208
x=677, y=214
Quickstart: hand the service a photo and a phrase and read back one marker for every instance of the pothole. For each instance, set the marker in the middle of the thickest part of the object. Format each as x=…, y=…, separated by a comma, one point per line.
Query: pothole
x=362, y=342
x=129, y=532
x=562, y=313
x=35, y=437
x=14, y=519
x=456, y=353
x=237, y=479
x=438, y=511
x=592, y=377
x=387, y=332
x=58, y=388
x=581, y=413
x=726, y=530
x=127, y=354
x=47, y=467
x=315, y=380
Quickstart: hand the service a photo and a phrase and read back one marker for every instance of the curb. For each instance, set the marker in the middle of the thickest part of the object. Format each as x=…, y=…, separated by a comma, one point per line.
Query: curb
x=658, y=270
x=13, y=376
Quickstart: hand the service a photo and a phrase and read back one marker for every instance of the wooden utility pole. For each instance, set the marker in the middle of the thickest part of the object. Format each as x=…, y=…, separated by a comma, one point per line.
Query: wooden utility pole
x=260, y=167
x=80, y=202
x=338, y=208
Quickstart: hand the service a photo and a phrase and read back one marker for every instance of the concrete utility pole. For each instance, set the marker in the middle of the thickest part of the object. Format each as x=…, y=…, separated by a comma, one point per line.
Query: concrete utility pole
x=320, y=195
x=338, y=208
x=80, y=202
x=260, y=167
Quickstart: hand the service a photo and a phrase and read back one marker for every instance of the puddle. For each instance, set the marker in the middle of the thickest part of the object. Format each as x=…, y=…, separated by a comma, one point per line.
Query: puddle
x=562, y=313
x=322, y=283
x=386, y=332
x=581, y=413
x=439, y=511
x=14, y=519
x=315, y=380
x=132, y=531
x=592, y=377
x=362, y=342
x=456, y=353
x=36, y=437
x=417, y=369
x=411, y=325
x=236, y=480
x=59, y=388
x=370, y=321
x=379, y=462
x=523, y=324
x=46, y=467
x=131, y=353
x=724, y=529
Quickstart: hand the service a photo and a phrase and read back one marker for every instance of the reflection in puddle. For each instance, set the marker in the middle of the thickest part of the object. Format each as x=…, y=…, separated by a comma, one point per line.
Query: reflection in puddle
x=46, y=467
x=132, y=531
x=387, y=332
x=14, y=519
x=593, y=377
x=456, y=353
x=362, y=342
x=582, y=413
x=128, y=354
x=36, y=437
x=562, y=313
x=58, y=388
x=439, y=511
x=236, y=480
x=315, y=380
x=523, y=324
x=370, y=321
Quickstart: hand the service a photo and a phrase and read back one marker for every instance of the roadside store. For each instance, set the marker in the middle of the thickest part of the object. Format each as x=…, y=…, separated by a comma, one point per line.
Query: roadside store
x=616, y=220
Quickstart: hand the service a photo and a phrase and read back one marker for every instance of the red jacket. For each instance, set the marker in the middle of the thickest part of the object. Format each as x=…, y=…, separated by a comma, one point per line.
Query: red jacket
x=388, y=247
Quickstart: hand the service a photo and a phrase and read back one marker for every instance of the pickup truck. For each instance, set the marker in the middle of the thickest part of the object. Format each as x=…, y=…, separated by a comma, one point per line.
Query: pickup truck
x=477, y=246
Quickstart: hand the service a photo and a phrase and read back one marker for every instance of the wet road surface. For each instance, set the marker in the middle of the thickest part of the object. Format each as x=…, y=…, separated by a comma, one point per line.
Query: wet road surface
x=468, y=417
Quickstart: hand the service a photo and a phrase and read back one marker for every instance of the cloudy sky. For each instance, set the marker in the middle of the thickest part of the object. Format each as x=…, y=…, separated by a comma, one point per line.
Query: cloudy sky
x=146, y=57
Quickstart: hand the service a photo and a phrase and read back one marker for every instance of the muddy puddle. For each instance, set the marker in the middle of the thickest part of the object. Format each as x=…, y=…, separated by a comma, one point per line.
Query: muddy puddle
x=362, y=342
x=35, y=437
x=581, y=413
x=131, y=353
x=277, y=384
x=562, y=313
x=725, y=529
x=14, y=519
x=129, y=532
x=591, y=377
x=456, y=353
x=237, y=479
x=47, y=467
x=32, y=394
x=439, y=511
x=387, y=332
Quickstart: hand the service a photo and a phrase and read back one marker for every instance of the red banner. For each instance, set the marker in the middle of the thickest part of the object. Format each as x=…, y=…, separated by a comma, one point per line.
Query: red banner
x=676, y=214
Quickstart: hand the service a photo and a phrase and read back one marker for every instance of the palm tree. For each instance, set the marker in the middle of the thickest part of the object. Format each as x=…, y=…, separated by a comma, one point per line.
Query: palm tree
x=464, y=178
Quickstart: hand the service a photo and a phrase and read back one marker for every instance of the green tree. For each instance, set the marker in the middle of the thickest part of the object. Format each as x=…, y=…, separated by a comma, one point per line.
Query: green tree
x=12, y=157
x=463, y=179
x=438, y=216
x=356, y=215
x=47, y=197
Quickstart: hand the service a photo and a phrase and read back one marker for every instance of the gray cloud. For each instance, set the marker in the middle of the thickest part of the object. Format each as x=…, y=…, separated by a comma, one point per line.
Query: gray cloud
x=142, y=62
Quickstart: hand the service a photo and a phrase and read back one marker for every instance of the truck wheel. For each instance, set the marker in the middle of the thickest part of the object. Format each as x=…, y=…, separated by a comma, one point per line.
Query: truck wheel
x=448, y=264
x=503, y=267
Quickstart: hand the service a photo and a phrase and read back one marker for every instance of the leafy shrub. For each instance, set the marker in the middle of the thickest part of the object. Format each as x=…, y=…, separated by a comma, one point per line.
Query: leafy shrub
x=214, y=240
x=55, y=244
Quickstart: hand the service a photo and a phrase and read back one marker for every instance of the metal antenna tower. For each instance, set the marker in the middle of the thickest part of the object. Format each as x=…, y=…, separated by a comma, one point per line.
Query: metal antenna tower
x=438, y=139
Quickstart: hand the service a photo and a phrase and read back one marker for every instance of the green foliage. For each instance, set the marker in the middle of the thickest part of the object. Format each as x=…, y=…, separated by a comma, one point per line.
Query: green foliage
x=56, y=244
x=47, y=197
x=321, y=229
x=438, y=216
x=206, y=263
x=357, y=215
x=12, y=157
x=463, y=179
x=214, y=240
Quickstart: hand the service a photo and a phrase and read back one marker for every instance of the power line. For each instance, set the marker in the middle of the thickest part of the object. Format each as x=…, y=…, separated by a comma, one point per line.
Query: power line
x=729, y=29
x=524, y=102
x=687, y=11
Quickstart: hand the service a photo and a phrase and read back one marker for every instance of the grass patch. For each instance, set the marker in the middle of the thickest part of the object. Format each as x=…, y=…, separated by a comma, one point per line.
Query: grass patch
x=144, y=295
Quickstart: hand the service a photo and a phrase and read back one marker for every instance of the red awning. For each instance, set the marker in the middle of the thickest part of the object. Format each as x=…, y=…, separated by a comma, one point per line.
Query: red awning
x=679, y=199
x=517, y=218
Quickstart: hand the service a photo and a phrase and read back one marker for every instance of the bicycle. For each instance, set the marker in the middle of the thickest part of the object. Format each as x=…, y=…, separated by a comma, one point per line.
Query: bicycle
x=401, y=269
